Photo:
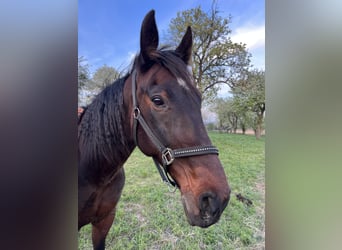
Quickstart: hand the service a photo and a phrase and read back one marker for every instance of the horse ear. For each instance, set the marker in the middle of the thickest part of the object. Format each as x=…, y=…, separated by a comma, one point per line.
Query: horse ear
x=149, y=39
x=185, y=47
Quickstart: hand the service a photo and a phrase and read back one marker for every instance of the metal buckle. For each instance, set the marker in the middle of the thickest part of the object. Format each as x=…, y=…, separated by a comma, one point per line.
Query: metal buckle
x=136, y=113
x=167, y=156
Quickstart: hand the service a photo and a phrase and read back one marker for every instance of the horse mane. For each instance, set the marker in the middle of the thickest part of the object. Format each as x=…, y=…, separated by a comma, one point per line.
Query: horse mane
x=101, y=129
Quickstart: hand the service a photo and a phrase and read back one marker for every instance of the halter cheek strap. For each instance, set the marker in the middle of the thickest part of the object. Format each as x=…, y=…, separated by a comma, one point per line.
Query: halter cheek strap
x=168, y=155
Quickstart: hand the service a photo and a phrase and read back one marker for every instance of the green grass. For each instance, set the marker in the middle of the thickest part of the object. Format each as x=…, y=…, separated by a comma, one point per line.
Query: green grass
x=150, y=217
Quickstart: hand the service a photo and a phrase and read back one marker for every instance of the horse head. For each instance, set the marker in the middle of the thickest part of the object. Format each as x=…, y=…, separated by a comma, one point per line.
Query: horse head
x=168, y=102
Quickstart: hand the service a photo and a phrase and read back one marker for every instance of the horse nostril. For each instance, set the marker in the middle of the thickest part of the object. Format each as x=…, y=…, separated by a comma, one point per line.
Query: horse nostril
x=209, y=205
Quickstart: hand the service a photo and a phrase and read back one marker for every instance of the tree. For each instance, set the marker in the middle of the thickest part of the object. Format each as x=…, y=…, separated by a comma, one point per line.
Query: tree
x=83, y=72
x=83, y=81
x=88, y=86
x=228, y=114
x=104, y=76
x=249, y=95
x=216, y=59
x=246, y=118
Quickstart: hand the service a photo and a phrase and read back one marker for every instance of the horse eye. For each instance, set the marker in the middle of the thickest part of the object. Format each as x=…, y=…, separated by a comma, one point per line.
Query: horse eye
x=157, y=101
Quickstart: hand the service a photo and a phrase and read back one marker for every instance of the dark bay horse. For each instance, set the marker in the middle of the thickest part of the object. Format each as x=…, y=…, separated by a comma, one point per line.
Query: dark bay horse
x=157, y=108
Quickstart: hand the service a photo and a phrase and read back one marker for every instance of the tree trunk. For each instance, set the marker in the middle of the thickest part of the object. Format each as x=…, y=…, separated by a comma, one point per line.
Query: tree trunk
x=243, y=127
x=258, y=128
x=258, y=132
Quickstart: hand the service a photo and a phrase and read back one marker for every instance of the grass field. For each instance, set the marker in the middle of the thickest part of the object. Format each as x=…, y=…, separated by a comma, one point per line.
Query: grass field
x=150, y=217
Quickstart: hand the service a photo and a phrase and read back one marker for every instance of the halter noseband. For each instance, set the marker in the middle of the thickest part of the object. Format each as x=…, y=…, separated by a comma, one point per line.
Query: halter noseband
x=168, y=155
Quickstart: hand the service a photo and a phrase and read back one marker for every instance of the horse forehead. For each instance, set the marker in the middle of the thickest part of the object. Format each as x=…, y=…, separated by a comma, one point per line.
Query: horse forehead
x=182, y=83
x=166, y=76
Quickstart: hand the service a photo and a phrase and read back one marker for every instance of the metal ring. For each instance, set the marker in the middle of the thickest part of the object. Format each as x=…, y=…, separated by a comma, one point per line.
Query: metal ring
x=136, y=113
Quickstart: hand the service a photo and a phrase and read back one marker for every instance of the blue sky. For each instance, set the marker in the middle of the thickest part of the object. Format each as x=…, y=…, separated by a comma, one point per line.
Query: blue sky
x=109, y=31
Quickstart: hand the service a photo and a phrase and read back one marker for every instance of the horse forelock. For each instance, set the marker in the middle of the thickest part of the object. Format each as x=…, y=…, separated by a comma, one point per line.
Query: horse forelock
x=172, y=62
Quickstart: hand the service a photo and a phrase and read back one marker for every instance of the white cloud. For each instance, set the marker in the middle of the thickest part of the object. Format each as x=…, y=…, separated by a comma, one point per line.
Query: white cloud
x=253, y=37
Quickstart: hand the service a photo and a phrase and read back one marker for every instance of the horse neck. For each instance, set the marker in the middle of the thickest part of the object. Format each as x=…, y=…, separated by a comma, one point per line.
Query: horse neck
x=104, y=136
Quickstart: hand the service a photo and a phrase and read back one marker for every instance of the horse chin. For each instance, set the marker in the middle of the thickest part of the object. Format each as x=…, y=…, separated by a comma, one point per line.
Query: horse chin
x=194, y=215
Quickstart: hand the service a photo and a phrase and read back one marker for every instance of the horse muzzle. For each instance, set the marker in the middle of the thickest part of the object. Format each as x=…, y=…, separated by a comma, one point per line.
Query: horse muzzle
x=205, y=210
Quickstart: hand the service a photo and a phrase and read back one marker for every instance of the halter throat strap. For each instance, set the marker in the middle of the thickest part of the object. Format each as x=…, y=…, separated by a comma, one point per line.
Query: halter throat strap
x=168, y=155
